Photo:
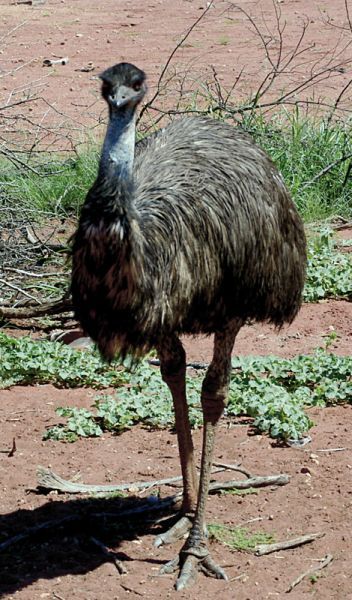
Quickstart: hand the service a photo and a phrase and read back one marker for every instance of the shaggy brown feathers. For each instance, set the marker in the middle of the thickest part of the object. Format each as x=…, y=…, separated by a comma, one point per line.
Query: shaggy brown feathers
x=203, y=233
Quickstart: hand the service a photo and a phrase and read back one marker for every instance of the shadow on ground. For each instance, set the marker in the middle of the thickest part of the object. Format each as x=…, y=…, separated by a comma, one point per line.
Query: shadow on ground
x=71, y=537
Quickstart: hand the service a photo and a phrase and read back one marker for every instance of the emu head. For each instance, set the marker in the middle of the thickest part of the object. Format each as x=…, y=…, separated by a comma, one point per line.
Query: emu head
x=123, y=87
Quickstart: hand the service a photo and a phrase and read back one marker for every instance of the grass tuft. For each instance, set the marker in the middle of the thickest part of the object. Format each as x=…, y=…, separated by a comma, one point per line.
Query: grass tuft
x=312, y=154
x=314, y=157
x=239, y=538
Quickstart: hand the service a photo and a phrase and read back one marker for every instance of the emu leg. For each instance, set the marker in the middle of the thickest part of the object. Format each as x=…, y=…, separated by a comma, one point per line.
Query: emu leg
x=173, y=370
x=215, y=387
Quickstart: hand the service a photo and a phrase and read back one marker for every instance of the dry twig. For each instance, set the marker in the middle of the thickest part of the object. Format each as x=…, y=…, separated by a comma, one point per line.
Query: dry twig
x=48, y=479
x=50, y=308
x=323, y=563
x=262, y=549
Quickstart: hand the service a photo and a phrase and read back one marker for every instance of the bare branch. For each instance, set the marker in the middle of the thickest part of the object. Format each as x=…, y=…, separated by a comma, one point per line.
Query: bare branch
x=262, y=549
x=29, y=274
x=323, y=563
x=20, y=290
x=177, y=47
x=348, y=16
x=51, y=308
x=50, y=480
x=326, y=170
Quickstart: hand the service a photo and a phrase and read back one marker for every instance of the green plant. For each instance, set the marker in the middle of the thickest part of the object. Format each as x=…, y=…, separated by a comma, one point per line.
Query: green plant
x=24, y=361
x=224, y=40
x=329, y=273
x=239, y=538
x=312, y=155
x=273, y=391
x=52, y=188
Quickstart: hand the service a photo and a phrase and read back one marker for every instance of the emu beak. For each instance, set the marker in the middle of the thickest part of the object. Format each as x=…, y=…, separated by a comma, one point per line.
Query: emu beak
x=122, y=97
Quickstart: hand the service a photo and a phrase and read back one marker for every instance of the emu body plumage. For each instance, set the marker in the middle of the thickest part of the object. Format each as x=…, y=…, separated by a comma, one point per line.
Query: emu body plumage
x=205, y=232
x=196, y=234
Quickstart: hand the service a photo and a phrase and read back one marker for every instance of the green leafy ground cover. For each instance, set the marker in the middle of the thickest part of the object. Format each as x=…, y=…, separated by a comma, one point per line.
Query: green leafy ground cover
x=273, y=391
x=329, y=272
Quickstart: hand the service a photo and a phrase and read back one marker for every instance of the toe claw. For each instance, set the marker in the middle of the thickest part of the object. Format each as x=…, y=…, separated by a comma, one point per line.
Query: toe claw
x=170, y=567
x=176, y=532
x=211, y=569
x=188, y=573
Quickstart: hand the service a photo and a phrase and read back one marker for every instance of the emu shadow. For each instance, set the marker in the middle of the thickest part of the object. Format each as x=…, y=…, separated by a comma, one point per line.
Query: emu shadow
x=57, y=538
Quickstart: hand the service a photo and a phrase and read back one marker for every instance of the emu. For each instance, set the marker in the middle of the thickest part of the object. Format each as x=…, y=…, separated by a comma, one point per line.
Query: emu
x=196, y=233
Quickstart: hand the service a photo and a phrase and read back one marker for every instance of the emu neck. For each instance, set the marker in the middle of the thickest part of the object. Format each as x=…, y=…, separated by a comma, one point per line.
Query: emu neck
x=118, y=149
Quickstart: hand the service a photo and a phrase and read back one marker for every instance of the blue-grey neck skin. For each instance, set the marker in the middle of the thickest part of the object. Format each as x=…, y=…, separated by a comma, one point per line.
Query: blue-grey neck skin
x=118, y=150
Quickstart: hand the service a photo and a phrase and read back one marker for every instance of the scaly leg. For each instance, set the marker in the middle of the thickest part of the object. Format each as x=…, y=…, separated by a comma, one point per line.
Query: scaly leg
x=173, y=370
x=215, y=387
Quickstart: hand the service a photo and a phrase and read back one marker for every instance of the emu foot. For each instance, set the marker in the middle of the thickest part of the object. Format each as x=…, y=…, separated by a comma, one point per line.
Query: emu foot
x=192, y=558
x=175, y=533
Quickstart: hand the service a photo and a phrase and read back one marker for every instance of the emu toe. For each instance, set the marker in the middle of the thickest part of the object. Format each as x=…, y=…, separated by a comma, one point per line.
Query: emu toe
x=175, y=533
x=191, y=559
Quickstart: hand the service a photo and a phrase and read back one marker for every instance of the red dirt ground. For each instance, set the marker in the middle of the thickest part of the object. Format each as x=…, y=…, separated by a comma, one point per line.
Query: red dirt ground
x=319, y=496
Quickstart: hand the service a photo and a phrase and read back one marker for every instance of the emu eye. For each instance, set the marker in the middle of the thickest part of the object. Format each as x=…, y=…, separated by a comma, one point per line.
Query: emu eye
x=136, y=86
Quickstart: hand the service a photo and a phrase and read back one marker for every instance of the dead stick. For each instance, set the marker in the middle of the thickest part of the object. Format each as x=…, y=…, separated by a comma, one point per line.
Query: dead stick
x=262, y=549
x=31, y=274
x=233, y=468
x=50, y=480
x=345, y=225
x=129, y=589
x=331, y=450
x=18, y=289
x=252, y=482
x=13, y=449
x=51, y=308
x=324, y=563
x=10, y=452
x=57, y=596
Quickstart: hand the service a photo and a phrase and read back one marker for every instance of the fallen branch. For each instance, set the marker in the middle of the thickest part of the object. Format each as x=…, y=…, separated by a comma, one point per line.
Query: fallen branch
x=262, y=549
x=35, y=275
x=345, y=225
x=324, y=563
x=129, y=589
x=251, y=482
x=28, y=312
x=232, y=468
x=18, y=289
x=49, y=480
x=332, y=450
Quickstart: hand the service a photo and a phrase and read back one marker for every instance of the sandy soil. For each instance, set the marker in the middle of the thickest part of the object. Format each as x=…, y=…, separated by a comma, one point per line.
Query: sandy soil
x=65, y=564
x=146, y=33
